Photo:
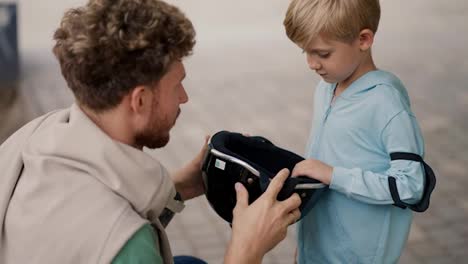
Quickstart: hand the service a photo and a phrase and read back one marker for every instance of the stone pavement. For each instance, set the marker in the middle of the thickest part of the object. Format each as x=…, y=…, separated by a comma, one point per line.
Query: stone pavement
x=246, y=76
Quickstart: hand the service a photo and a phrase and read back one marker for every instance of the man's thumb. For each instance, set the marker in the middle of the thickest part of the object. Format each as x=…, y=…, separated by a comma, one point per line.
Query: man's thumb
x=242, y=195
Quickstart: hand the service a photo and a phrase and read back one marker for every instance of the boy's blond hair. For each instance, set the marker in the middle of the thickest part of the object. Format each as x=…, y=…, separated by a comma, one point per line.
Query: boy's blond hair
x=340, y=20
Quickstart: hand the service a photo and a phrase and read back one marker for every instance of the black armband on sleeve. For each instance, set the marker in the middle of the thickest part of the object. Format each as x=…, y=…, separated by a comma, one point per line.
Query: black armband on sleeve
x=430, y=182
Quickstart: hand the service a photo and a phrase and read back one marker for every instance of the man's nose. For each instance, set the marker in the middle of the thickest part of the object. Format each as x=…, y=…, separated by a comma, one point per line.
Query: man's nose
x=184, y=96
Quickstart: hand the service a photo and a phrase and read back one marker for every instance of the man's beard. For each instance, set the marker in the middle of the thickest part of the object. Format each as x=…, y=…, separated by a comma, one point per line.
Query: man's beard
x=156, y=133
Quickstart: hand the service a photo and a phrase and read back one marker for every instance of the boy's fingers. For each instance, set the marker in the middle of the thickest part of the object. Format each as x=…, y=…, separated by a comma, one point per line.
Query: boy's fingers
x=291, y=203
x=242, y=196
x=298, y=170
x=277, y=182
x=293, y=216
x=295, y=172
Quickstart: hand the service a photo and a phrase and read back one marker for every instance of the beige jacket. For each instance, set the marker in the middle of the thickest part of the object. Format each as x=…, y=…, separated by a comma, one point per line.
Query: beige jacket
x=71, y=194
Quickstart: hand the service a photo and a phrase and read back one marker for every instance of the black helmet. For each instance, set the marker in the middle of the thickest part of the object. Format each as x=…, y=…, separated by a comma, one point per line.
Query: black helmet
x=253, y=161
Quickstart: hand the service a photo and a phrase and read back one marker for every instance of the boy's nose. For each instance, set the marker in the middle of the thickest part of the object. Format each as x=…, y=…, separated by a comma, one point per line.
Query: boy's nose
x=313, y=64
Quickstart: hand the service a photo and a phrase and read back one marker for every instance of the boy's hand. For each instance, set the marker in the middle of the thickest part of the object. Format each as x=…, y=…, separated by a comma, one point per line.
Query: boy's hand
x=314, y=169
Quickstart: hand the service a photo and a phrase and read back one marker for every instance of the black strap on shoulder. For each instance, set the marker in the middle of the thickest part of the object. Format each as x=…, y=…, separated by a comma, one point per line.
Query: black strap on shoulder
x=430, y=182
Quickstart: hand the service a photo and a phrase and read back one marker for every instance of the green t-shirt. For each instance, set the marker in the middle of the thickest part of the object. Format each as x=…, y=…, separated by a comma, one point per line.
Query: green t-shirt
x=141, y=248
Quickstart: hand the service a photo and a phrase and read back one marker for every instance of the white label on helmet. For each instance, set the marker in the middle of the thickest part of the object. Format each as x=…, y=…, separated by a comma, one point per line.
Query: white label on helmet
x=220, y=164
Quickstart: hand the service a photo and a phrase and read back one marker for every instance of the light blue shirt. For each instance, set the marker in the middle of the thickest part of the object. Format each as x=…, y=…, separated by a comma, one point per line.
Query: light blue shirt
x=355, y=221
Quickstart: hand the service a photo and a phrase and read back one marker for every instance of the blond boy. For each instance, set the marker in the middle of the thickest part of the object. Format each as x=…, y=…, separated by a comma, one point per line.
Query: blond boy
x=361, y=115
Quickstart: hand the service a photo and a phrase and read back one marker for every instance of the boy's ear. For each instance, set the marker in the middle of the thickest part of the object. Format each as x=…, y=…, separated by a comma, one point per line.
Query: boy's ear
x=366, y=39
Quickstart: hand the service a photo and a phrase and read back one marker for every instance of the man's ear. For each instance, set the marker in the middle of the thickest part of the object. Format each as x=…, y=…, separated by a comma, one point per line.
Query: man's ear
x=366, y=39
x=140, y=100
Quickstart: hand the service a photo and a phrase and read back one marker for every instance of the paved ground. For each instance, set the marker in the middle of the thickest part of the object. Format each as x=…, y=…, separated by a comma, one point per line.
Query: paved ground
x=246, y=76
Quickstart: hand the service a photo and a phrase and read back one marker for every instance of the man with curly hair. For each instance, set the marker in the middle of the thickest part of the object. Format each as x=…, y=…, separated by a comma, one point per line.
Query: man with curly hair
x=76, y=186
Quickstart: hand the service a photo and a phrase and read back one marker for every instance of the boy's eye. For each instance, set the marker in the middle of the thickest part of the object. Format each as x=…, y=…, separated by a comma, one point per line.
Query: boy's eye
x=324, y=55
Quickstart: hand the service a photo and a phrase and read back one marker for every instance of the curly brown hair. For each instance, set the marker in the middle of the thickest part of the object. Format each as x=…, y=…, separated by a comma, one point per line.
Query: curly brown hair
x=108, y=47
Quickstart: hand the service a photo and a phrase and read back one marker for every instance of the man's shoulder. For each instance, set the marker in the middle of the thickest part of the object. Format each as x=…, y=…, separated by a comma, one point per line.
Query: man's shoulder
x=20, y=135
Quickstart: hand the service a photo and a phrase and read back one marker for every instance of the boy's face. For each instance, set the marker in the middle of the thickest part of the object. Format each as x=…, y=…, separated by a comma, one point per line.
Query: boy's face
x=335, y=61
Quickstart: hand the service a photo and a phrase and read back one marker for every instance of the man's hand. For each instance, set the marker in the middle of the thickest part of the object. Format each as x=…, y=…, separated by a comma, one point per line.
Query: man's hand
x=314, y=169
x=258, y=228
x=188, y=180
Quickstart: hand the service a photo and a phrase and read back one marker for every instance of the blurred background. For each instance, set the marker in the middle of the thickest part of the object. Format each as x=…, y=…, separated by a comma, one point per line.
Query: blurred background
x=246, y=76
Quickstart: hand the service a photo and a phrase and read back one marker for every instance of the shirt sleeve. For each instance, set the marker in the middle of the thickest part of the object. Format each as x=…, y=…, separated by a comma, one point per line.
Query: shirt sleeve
x=141, y=248
x=401, y=134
